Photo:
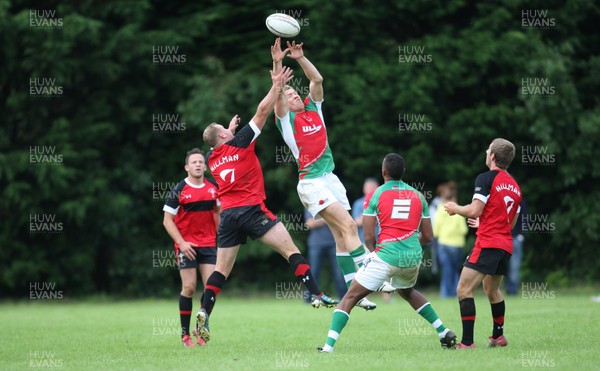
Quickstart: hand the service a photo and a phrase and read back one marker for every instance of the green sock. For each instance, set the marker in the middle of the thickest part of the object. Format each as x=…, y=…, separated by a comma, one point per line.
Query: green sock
x=427, y=312
x=358, y=255
x=347, y=266
x=340, y=318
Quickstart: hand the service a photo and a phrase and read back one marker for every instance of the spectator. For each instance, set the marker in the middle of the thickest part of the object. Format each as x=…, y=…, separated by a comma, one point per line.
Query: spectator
x=450, y=232
x=514, y=264
x=369, y=186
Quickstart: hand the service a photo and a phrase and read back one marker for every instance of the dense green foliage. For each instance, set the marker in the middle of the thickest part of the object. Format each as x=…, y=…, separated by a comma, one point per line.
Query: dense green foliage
x=109, y=158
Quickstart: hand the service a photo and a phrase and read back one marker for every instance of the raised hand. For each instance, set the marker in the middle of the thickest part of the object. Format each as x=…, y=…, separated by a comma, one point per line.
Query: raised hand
x=295, y=50
x=233, y=124
x=281, y=78
x=276, y=53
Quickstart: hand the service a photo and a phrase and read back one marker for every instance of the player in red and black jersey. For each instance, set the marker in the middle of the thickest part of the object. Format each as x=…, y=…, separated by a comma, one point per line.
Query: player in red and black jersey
x=191, y=216
x=238, y=173
x=494, y=210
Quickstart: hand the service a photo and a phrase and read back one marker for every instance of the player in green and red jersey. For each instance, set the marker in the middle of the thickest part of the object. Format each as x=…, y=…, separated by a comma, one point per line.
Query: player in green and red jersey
x=494, y=210
x=303, y=129
x=403, y=217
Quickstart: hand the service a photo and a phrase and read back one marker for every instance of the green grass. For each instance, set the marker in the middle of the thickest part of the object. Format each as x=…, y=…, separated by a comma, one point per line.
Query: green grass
x=263, y=333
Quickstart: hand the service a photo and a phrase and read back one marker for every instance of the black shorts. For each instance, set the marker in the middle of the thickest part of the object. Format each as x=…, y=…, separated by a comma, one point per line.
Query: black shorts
x=204, y=255
x=490, y=261
x=239, y=223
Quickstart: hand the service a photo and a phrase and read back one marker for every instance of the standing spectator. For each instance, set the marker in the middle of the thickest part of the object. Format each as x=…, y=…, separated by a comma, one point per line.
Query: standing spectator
x=514, y=264
x=450, y=232
x=321, y=247
x=433, y=206
x=370, y=185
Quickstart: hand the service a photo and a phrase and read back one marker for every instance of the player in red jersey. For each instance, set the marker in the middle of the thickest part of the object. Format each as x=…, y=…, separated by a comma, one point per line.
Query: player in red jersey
x=494, y=210
x=238, y=173
x=191, y=216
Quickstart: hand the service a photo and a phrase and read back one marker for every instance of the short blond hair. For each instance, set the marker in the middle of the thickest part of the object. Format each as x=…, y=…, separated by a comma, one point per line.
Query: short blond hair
x=504, y=151
x=210, y=135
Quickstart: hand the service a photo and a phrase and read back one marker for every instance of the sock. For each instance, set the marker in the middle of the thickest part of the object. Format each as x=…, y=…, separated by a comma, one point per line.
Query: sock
x=358, y=255
x=302, y=270
x=185, y=312
x=498, y=317
x=426, y=311
x=213, y=286
x=467, y=315
x=340, y=318
x=347, y=266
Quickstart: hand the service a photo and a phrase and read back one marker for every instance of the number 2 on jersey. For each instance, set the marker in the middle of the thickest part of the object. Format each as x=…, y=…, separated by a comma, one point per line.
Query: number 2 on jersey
x=401, y=209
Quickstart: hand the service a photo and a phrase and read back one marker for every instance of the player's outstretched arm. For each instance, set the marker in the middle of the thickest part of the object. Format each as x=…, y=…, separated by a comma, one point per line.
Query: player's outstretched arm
x=472, y=210
x=266, y=105
x=311, y=72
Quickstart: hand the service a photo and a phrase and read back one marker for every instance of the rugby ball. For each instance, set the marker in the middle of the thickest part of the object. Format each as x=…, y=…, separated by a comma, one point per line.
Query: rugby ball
x=283, y=25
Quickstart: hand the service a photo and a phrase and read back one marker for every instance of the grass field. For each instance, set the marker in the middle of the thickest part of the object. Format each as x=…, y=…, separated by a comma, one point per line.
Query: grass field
x=559, y=331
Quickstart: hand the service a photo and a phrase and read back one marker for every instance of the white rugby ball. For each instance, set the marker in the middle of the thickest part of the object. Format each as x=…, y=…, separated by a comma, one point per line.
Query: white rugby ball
x=283, y=25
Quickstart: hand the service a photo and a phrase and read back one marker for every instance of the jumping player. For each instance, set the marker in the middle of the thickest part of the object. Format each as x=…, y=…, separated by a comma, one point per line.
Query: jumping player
x=191, y=216
x=405, y=226
x=237, y=170
x=303, y=129
x=494, y=210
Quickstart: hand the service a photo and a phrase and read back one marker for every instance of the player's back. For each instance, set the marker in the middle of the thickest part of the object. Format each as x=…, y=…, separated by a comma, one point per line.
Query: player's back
x=502, y=197
x=399, y=209
x=237, y=171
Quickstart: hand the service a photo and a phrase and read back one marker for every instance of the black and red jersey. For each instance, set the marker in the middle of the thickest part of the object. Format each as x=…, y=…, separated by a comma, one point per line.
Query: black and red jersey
x=194, y=207
x=236, y=169
x=502, y=196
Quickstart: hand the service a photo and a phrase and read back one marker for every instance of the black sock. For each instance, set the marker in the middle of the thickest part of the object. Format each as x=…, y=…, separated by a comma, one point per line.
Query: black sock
x=213, y=286
x=185, y=312
x=302, y=270
x=467, y=315
x=498, y=317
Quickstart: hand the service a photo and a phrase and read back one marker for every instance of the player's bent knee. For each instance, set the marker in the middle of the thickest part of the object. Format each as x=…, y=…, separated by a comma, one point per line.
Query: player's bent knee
x=349, y=227
x=188, y=290
x=405, y=293
x=225, y=271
